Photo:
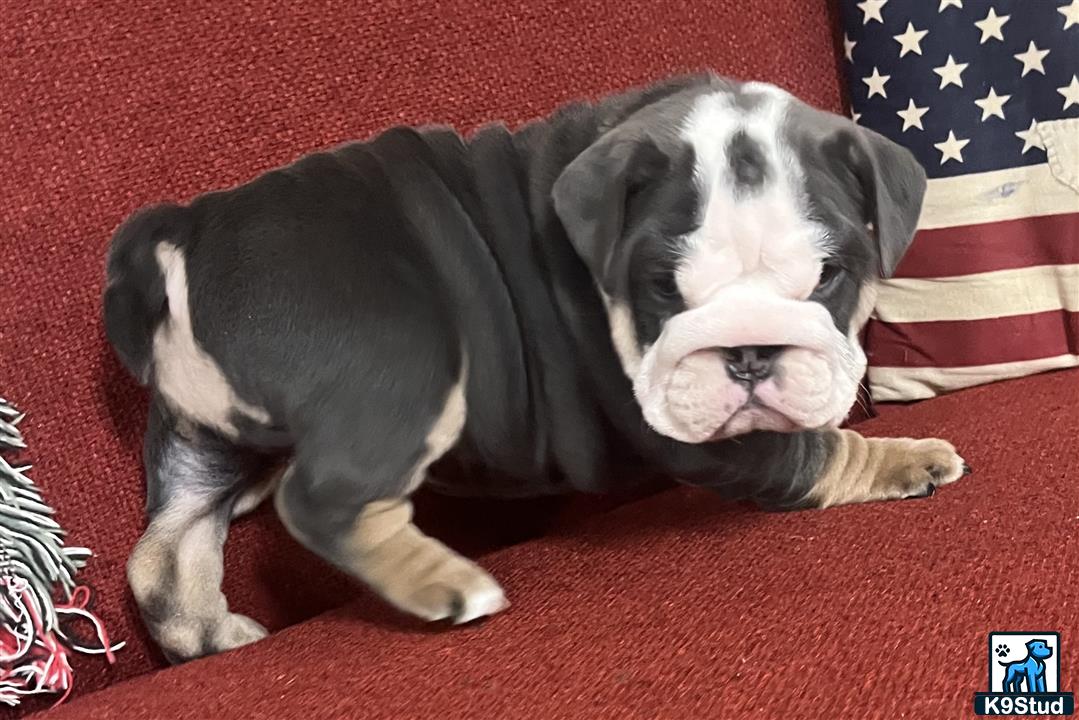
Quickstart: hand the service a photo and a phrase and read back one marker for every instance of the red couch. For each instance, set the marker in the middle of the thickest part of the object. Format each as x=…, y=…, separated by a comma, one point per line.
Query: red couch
x=676, y=605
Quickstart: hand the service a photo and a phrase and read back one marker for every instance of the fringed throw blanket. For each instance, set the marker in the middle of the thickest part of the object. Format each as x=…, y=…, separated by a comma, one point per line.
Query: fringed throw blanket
x=40, y=600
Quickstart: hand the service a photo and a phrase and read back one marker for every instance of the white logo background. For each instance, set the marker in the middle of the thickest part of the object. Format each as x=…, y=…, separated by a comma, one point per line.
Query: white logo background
x=1017, y=650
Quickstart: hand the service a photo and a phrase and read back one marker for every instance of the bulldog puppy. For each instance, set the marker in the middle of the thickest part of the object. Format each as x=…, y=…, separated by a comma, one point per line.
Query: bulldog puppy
x=674, y=277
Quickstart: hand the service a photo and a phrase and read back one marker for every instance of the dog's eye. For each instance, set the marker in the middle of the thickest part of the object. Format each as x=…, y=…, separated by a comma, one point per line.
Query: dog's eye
x=665, y=286
x=830, y=273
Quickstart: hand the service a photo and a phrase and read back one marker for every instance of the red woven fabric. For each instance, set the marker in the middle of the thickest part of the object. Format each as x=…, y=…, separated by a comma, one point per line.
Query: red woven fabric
x=680, y=606
x=108, y=105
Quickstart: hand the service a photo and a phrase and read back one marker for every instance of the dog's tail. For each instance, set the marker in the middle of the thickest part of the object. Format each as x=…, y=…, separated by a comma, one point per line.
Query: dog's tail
x=135, y=299
x=1004, y=664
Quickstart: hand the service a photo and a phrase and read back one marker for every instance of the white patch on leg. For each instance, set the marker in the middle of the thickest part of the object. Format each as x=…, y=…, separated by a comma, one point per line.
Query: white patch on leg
x=487, y=598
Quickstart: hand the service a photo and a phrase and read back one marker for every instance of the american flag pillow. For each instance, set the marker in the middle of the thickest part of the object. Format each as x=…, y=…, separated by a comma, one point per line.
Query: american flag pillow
x=985, y=93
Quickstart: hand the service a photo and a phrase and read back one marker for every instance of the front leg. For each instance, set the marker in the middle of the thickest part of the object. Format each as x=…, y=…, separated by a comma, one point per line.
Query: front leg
x=819, y=469
x=861, y=469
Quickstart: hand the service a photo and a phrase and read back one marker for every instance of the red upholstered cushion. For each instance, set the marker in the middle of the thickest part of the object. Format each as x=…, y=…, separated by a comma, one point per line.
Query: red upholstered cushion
x=681, y=606
x=110, y=104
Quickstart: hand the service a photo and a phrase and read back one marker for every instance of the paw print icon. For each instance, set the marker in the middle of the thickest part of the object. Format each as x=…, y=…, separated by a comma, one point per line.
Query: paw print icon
x=1001, y=650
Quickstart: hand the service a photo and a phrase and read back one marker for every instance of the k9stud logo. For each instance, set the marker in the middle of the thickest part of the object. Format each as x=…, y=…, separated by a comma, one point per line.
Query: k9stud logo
x=1024, y=676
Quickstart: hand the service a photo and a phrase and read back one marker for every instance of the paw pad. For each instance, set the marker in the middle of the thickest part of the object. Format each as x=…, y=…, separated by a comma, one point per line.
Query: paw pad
x=1001, y=650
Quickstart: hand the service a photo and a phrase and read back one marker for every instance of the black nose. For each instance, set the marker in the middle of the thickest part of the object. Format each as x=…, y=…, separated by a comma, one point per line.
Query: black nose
x=750, y=363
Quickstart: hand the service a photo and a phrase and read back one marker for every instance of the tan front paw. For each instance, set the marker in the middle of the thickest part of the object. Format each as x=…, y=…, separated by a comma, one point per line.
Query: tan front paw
x=915, y=468
x=864, y=469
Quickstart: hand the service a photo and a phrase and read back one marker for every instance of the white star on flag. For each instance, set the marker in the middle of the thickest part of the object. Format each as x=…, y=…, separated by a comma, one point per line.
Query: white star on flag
x=951, y=149
x=910, y=40
x=855, y=116
x=848, y=46
x=1070, y=93
x=992, y=104
x=1032, y=59
x=1030, y=137
x=871, y=10
x=951, y=73
x=944, y=4
x=991, y=26
x=1070, y=13
x=912, y=116
x=876, y=83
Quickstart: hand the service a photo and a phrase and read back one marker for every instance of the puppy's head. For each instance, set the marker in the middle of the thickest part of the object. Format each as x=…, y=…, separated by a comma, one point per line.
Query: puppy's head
x=735, y=234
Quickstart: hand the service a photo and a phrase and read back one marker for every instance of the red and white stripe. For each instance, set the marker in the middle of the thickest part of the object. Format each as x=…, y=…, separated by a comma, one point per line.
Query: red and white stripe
x=989, y=289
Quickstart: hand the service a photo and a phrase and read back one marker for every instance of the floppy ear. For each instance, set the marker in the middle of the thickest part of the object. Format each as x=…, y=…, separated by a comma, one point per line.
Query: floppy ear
x=893, y=186
x=896, y=185
x=591, y=194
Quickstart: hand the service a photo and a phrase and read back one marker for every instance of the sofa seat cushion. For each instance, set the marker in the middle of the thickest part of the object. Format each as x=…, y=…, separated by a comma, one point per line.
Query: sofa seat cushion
x=682, y=605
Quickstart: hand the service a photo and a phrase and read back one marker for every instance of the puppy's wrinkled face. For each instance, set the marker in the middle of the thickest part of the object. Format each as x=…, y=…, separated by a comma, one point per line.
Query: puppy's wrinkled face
x=738, y=265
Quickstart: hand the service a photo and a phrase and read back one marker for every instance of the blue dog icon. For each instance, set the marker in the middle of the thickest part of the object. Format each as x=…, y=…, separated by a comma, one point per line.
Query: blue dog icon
x=1030, y=669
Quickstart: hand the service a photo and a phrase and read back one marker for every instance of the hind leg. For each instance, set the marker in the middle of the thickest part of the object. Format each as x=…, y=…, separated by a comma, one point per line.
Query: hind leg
x=346, y=499
x=175, y=570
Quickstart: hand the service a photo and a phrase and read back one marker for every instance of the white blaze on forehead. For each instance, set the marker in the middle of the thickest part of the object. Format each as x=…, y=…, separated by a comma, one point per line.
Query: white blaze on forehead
x=759, y=235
